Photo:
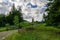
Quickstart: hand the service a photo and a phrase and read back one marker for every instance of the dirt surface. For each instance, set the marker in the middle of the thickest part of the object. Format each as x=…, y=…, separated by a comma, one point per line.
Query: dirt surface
x=6, y=33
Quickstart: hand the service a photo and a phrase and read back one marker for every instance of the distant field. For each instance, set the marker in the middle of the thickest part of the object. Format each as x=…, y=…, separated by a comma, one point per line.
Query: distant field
x=40, y=32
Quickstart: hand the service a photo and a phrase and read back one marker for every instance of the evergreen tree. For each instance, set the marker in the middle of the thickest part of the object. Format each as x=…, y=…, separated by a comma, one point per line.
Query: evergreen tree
x=12, y=14
x=44, y=18
x=53, y=10
x=2, y=20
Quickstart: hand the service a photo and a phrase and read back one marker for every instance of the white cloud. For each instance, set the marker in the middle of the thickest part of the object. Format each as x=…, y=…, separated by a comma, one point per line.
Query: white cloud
x=5, y=6
x=0, y=0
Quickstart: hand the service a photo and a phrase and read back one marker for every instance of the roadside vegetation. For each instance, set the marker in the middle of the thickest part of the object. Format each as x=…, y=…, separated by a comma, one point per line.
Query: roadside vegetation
x=40, y=32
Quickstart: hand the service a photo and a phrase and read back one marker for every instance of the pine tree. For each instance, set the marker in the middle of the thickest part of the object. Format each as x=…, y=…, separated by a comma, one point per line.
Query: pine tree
x=13, y=13
x=2, y=20
x=53, y=9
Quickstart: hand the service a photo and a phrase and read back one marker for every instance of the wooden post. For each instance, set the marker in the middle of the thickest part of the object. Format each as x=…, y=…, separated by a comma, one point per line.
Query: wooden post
x=32, y=21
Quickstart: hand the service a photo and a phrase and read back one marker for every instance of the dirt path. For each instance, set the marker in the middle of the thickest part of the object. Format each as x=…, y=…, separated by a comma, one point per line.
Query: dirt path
x=6, y=33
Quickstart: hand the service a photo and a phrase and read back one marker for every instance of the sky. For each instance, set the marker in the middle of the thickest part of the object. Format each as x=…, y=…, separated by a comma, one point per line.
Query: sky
x=30, y=8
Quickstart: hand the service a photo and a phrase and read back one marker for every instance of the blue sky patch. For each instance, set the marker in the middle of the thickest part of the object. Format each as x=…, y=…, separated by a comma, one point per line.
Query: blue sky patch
x=32, y=6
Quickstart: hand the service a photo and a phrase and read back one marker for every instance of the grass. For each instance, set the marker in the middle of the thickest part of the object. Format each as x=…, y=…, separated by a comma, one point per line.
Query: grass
x=7, y=28
x=25, y=24
x=41, y=32
x=34, y=35
x=12, y=27
x=2, y=29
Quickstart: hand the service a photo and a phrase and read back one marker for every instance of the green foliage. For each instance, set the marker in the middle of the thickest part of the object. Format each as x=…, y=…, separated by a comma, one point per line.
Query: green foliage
x=53, y=9
x=16, y=21
x=44, y=18
x=2, y=20
x=14, y=12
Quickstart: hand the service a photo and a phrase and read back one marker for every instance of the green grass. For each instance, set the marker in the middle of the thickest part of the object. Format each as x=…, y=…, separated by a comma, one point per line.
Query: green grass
x=25, y=24
x=12, y=27
x=7, y=28
x=2, y=29
x=34, y=35
x=41, y=32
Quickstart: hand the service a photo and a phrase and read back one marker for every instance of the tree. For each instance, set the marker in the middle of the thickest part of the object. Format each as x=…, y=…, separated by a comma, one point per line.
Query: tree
x=53, y=10
x=2, y=20
x=44, y=18
x=13, y=13
x=16, y=21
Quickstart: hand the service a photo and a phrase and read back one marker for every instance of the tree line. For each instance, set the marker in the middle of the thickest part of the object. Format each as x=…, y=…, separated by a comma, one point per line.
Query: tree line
x=53, y=10
x=15, y=16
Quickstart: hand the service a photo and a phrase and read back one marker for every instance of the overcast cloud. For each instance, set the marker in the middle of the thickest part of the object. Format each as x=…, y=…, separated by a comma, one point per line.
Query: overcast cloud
x=30, y=8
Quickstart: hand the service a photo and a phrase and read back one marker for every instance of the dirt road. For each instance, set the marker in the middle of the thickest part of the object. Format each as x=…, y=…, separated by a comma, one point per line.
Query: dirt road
x=6, y=33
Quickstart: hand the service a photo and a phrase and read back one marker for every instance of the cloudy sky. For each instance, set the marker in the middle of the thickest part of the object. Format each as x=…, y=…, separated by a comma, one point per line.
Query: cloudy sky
x=30, y=8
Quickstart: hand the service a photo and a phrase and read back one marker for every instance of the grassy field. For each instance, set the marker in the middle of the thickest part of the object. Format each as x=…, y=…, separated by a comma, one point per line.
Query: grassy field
x=7, y=28
x=12, y=27
x=40, y=32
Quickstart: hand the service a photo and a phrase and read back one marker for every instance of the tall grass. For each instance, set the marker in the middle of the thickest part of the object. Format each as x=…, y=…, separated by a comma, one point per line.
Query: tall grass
x=41, y=32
